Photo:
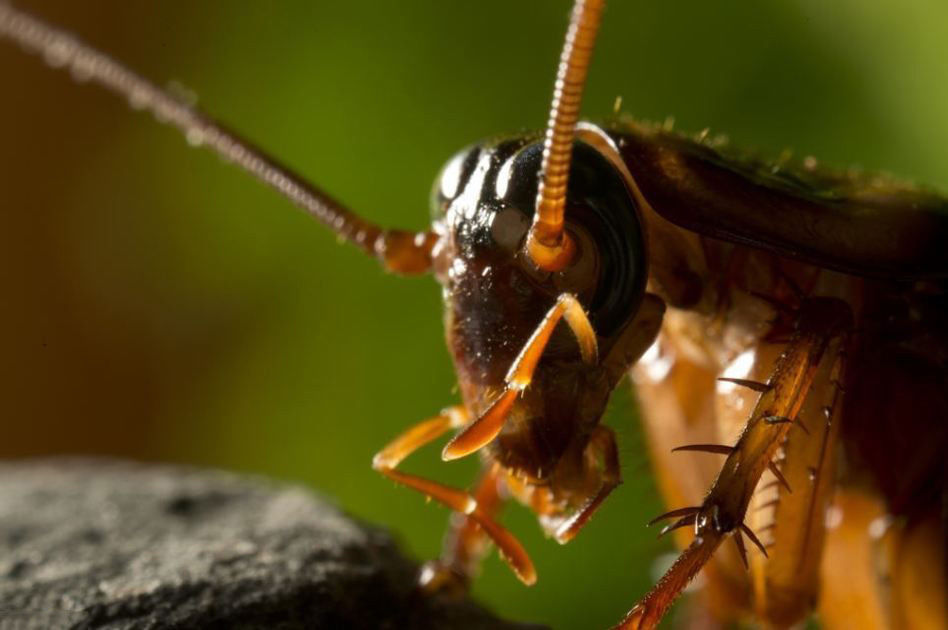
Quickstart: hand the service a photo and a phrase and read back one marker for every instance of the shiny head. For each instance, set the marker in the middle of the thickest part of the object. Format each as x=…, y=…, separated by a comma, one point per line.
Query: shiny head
x=497, y=303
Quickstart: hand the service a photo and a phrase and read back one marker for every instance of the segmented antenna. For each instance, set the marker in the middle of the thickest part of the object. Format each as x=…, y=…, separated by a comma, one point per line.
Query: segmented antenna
x=548, y=244
x=401, y=251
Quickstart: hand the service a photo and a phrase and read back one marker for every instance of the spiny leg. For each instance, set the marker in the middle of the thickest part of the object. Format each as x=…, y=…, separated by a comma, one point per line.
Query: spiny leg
x=488, y=425
x=683, y=403
x=722, y=511
x=787, y=585
x=386, y=461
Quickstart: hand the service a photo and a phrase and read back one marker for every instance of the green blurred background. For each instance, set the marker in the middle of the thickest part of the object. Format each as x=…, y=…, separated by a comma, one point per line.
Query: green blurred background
x=155, y=303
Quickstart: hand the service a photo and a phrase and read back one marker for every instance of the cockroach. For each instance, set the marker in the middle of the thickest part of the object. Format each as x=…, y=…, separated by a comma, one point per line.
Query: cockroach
x=788, y=318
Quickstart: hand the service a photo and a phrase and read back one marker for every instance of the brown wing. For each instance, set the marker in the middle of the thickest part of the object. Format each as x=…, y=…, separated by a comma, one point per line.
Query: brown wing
x=867, y=224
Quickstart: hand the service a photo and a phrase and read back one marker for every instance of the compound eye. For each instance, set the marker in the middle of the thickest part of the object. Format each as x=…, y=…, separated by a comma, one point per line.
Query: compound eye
x=604, y=221
x=608, y=271
x=515, y=185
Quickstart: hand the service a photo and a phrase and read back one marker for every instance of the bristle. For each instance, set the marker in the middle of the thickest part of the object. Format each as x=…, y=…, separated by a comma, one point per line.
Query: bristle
x=686, y=511
x=739, y=541
x=743, y=382
x=717, y=449
x=750, y=534
x=779, y=475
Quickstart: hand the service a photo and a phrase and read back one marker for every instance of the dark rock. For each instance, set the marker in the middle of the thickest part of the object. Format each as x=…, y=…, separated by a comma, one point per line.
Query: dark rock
x=108, y=544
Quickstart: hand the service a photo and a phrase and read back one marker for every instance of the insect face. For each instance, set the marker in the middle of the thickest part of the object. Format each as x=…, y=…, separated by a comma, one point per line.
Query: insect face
x=495, y=295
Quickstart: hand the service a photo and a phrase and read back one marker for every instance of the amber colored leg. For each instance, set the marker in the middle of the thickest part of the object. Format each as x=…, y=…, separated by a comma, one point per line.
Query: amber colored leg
x=681, y=405
x=722, y=512
x=485, y=428
x=787, y=585
x=853, y=592
x=386, y=460
x=880, y=573
x=466, y=543
x=920, y=574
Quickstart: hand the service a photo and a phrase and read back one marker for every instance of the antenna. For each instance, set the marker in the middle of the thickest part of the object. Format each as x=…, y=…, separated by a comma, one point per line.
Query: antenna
x=548, y=244
x=400, y=251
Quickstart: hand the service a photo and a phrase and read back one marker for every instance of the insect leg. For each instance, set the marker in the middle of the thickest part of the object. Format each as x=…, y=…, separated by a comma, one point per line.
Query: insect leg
x=386, y=461
x=488, y=425
x=399, y=251
x=786, y=586
x=855, y=580
x=466, y=543
x=919, y=583
x=678, y=407
x=723, y=509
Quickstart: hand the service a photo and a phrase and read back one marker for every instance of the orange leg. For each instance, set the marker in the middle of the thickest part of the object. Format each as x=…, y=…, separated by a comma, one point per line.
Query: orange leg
x=721, y=514
x=466, y=542
x=386, y=461
x=480, y=432
x=787, y=585
x=854, y=574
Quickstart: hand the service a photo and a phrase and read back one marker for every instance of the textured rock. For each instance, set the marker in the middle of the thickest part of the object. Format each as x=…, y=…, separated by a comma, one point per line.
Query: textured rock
x=109, y=544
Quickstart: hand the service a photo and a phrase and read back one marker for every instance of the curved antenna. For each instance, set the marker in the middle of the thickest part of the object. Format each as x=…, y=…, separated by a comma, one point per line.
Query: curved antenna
x=548, y=244
x=400, y=251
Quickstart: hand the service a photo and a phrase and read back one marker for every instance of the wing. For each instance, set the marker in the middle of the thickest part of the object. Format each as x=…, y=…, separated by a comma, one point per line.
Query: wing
x=868, y=224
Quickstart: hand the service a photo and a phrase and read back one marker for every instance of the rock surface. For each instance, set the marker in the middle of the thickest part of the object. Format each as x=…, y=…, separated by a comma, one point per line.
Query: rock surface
x=109, y=544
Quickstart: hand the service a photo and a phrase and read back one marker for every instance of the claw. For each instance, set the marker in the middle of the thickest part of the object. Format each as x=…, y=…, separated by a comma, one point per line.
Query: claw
x=686, y=511
x=683, y=522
